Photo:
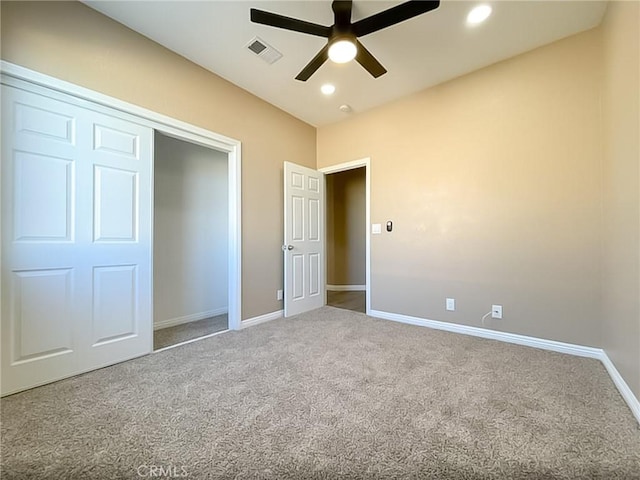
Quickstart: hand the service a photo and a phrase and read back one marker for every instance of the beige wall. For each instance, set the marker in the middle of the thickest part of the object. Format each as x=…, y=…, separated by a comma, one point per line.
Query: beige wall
x=346, y=228
x=621, y=252
x=493, y=182
x=72, y=42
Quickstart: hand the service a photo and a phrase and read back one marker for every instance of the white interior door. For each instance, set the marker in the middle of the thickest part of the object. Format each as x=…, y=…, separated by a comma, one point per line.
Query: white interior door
x=76, y=233
x=304, y=249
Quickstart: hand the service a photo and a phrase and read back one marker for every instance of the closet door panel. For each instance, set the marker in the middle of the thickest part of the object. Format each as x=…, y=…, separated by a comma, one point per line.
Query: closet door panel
x=115, y=216
x=118, y=161
x=76, y=239
x=39, y=269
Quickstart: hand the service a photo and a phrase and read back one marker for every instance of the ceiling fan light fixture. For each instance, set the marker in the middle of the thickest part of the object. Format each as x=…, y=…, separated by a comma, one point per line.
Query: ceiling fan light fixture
x=478, y=14
x=342, y=51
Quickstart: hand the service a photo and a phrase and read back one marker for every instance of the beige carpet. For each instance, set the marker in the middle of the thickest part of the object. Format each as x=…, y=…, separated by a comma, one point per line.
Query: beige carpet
x=329, y=394
x=188, y=331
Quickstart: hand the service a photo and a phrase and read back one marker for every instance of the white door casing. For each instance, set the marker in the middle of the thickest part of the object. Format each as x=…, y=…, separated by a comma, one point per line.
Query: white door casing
x=304, y=239
x=76, y=233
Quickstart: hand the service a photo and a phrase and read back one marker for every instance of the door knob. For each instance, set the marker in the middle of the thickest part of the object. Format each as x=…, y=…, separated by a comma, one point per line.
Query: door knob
x=287, y=247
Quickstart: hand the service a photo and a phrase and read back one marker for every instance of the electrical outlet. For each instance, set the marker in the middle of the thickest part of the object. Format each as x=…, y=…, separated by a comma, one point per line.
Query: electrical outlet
x=280, y=294
x=451, y=304
x=496, y=311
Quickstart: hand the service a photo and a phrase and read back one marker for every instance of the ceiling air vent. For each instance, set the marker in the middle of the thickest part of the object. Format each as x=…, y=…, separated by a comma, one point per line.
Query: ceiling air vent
x=264, y=50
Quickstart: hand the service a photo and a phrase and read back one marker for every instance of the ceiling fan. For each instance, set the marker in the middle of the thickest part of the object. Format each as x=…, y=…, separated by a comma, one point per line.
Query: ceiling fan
x=343, y=44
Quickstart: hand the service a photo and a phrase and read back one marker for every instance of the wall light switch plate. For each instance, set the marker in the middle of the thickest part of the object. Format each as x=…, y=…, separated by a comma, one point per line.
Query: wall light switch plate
x=451, y=304
x=280, y=294
x=376, y=228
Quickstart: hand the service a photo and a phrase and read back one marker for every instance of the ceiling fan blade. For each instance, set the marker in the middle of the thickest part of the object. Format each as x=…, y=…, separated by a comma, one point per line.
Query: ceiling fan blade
x=280, y=21
x=369, y=62
x=394, y=15
x=342, y=12
x=314, y=64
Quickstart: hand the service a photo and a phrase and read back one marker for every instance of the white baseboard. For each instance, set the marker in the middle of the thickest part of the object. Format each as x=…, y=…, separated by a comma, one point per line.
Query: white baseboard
x=250, y=322
x=347, y=288
x=186, y=342
x=194, y=317
x=622, y=386
x=552, y=345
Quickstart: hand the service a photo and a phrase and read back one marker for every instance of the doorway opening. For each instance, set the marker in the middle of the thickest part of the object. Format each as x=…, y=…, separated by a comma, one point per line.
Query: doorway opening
x=347, y=247
x=191, y=251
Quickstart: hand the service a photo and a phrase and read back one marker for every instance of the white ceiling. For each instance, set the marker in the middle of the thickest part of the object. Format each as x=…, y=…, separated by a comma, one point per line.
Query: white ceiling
x=418, y=53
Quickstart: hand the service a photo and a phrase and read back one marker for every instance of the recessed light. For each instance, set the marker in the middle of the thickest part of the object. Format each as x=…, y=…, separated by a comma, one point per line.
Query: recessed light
x=479, y=14
x=327, y=89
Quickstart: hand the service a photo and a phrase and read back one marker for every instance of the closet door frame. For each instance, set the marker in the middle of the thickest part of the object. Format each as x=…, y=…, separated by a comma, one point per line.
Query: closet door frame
x=35, y=82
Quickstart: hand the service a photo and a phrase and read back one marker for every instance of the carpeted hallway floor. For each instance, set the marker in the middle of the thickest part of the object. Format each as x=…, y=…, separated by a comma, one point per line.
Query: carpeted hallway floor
x=328, y=394
x=355, y=301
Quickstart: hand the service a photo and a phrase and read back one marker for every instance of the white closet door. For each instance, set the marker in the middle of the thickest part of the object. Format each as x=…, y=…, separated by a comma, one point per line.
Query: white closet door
x=115, y=183
x=76, y=233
